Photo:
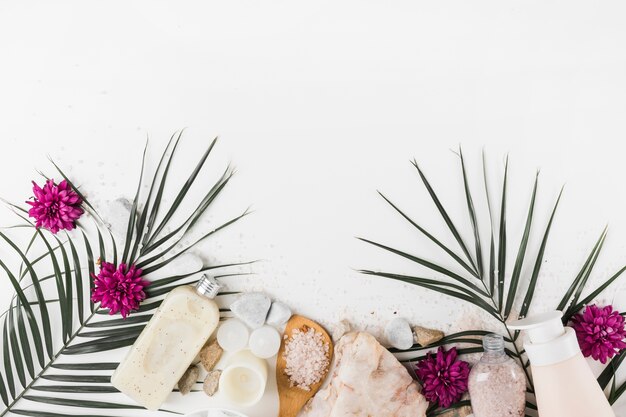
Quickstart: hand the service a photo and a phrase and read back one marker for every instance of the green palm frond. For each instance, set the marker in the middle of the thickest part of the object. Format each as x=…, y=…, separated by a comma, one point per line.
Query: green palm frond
x=491, y=290
x=51, y=318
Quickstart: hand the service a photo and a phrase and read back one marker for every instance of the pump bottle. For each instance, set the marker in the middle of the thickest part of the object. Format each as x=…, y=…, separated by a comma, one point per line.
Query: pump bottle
x=564, y=383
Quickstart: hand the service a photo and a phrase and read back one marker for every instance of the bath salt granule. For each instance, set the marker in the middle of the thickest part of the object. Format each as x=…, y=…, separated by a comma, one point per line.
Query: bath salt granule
x=306, y=355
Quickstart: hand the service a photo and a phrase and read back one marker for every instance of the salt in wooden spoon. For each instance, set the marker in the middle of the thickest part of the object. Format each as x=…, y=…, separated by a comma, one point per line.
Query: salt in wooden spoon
x=292, y=399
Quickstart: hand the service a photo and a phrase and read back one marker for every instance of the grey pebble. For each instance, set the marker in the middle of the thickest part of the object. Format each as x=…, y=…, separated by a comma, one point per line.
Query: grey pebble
x=279, y=314
x=399, y=334
x=251, y=308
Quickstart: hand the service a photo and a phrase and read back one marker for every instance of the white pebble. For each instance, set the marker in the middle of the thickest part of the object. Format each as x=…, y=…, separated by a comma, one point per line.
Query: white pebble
x=279, y=314
x=399, y=334
x=265, y=342
x=233, y=335
x=116, y=214
x=251, y=308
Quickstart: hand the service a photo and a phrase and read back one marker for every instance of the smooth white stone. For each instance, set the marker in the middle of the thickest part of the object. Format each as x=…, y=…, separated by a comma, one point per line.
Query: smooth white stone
x=233, y=335
x=251, y=308
x=116, y=214
x=279, y=314
x=399, y=334
x=265, y=342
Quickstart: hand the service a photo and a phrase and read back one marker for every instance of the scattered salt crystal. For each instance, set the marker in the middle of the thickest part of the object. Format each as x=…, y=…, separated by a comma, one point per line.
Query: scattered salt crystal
x=306, y=355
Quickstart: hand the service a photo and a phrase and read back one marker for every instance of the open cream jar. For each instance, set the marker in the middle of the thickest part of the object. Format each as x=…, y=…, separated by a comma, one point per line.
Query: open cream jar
x=244, y=378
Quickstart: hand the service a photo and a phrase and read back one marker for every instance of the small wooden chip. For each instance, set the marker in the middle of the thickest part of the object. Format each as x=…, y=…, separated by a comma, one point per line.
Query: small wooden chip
x=188, y=379
x=211, y=383
x=210, y=355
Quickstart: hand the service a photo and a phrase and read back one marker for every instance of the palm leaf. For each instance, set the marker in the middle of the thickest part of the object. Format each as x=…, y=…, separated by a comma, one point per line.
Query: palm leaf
x=594, y=293
x=519, y=262
x=181, y=195
x=131, y=233
x=445, y=216
x=493, y=298
x=472, y=215
x=43, y=308
x=583, y=274
x=492, y=257
x=30, y=347
x=430, y=265
x=446, y=288
x=431, y=237
x=502, y=239
x=530, y=291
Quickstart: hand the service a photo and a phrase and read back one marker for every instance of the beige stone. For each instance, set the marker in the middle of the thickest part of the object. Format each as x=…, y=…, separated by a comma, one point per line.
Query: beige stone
x=211, y=383
x=367, y=381
x=188, y=379
x=340, y=329
x=426, y=337
x=210, y=355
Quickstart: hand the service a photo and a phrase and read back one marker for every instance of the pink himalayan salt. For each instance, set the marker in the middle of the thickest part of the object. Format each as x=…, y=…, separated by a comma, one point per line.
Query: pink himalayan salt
x=497, y=384
x=367, y=381
x=306, y=355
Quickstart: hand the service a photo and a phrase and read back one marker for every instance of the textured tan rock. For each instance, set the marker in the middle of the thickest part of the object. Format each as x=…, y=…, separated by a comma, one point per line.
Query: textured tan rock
x=211, y=383
x=426, y=337
x=367, y=381
x=210, y=355
x=188, y=379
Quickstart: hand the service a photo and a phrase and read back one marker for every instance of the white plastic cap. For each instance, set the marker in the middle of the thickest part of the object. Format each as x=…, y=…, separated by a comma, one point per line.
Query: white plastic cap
x=541, y=328
x=547, y=341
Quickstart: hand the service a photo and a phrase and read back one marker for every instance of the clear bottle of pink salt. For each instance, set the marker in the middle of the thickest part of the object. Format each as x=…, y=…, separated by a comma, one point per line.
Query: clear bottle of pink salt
x=564, y=383
x=497, y=384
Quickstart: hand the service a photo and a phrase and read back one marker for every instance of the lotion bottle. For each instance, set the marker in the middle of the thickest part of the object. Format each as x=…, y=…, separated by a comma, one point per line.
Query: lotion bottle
x=564, y=383
x=169, y=343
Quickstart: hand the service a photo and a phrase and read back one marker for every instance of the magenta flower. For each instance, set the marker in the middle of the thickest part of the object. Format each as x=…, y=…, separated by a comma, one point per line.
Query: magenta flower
x=444, y=378
x=600, y=332
x=120, y=290
x=55, y=207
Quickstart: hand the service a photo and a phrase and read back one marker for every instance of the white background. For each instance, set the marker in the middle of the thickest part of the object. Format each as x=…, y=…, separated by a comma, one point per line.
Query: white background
x=318, y=105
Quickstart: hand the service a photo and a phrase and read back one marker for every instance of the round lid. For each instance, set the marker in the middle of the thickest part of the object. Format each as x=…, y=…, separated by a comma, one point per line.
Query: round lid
x=207, y=286
x=541, y=328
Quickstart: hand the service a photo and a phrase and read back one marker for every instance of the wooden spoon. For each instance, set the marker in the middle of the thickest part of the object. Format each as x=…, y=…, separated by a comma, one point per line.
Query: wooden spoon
x=292, y=399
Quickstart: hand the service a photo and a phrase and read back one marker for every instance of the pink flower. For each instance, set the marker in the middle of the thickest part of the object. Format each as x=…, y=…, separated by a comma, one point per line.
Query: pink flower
x=120, y=290
x=444, y=378
x=55, y=207
x=600, y=332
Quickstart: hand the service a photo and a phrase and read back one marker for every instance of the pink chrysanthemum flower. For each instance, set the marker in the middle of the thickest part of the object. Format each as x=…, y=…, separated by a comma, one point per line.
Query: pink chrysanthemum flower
x=444, y=378
x=120, y=290
x=55, y=207
x=600, y=332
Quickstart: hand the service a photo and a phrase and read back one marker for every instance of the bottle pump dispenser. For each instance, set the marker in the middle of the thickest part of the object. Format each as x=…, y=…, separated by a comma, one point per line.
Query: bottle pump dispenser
x=564, y=383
